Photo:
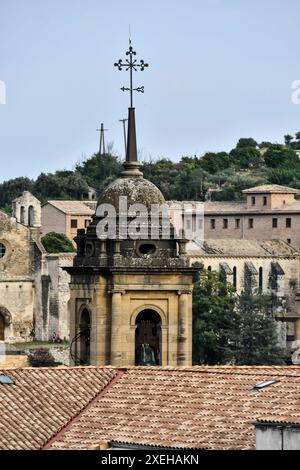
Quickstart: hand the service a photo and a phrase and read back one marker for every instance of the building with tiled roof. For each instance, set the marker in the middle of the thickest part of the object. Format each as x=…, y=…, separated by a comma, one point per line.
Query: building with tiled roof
x=195, y=408
x=66, y=216
x=270, y=212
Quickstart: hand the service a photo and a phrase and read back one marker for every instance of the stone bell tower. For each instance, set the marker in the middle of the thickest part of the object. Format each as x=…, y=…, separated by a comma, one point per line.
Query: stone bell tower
x=131, y=297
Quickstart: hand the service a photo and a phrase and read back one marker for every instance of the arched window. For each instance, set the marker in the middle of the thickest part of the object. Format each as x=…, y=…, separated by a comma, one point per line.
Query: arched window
x=148, y=338
x=209, y=268
x=30, y=216
x=260, y=279
x=84, y=341
x=234, y=277
x=22, y=215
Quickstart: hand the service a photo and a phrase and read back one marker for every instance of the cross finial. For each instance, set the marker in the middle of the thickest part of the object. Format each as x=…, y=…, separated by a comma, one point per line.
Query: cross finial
x=131, y=64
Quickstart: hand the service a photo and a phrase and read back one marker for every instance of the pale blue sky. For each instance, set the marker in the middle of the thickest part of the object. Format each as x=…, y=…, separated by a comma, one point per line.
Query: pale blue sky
x=219, y=70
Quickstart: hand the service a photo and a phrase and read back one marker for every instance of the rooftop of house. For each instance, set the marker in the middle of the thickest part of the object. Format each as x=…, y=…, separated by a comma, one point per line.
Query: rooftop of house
x=72, y=207
x=231, y=207
x=242, y=248
x=196, y=407
x=271, y=189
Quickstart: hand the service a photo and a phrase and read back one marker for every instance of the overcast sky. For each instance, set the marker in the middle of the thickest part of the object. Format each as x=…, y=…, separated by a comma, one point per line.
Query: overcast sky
x=218, y=70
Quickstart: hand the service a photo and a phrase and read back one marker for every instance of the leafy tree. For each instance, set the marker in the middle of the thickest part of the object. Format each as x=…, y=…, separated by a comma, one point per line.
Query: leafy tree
x=213, y=162
x=297, y=135
x=57, y=243
x=232, y=189
x=246, y=143
x=213, y=320
x=246, y=157
x=99, y=170
x=283, y=176
x=13, y=188
x=288, y=139
x=60, y=185
x=279, y=156
x=265, y=144
x=257, y=339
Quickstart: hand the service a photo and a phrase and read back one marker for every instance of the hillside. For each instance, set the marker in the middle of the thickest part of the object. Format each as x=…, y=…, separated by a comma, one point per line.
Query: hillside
x=215, y=176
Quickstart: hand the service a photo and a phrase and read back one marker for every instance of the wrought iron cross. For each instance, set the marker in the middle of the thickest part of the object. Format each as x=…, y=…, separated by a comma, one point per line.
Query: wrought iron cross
x=131, y=64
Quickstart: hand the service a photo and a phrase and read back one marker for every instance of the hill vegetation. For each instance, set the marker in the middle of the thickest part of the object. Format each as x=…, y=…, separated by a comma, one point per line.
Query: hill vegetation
x=215, y=175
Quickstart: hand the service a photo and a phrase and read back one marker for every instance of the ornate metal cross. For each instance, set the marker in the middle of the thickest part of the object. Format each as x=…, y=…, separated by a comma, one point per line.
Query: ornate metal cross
x=131, y=64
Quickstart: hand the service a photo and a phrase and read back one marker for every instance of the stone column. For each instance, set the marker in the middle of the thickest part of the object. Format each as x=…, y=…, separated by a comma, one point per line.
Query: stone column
x=182, y=349
x=116, y=333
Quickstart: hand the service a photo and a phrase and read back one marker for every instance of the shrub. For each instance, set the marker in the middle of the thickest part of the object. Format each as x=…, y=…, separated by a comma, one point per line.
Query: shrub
x=41, y=358
x=57, y=243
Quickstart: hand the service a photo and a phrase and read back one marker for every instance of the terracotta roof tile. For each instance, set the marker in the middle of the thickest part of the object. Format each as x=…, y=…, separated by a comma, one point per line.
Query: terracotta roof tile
x=42, y=401
x=201, y=407
x=72, y=207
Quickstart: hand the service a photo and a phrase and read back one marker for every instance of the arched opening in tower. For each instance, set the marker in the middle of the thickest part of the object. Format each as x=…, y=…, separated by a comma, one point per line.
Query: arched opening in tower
x=148, y=338
x=84, y=338
x=30, y=216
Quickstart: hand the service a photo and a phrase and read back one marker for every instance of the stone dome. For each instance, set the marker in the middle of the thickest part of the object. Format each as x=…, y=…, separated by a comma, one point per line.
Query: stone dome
x=137, y=190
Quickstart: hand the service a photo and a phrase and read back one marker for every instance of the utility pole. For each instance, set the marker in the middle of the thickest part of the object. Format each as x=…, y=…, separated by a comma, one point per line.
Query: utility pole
x=102, y=141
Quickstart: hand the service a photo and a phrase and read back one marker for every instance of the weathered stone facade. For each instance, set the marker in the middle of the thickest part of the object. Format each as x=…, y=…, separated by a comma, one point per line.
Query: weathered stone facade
x=34, y=290
x=272, y=266
x=271, y=212
x=131, y=299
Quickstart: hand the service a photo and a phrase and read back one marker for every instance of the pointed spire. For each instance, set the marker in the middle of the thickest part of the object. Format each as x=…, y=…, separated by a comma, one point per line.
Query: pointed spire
x=131, y=164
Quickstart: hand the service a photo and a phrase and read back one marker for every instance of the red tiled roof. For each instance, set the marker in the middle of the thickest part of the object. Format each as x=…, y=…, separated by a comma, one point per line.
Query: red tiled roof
x=42, y=401
x=200, y=407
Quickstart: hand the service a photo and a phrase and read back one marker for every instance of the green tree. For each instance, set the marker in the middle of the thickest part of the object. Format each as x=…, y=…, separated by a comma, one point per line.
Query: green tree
x=288, y=139
x=246, y=157
x=279, y=156
x=13, y=188
x=100, y=170
x=60, y=185
x=57, y=243
x=214, y=162
x=246, y=143
x=213, y=320
x=257, y=337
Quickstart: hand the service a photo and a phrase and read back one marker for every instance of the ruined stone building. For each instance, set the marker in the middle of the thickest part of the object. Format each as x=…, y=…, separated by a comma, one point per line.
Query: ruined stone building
x=34, y=290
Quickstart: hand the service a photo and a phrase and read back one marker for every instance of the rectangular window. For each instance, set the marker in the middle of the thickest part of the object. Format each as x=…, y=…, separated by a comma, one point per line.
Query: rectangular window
x=200, y=224
x=73, y=223
x=250, y=223
x=265, y=200
x=212, y=224
x=225, y=223
x=274, y=222
x=288, y=222
x=237, y=223
x=86, y=223
x=253, y=200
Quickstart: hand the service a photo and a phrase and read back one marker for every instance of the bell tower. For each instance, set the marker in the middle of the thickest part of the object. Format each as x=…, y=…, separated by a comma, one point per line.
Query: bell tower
x=131, y=283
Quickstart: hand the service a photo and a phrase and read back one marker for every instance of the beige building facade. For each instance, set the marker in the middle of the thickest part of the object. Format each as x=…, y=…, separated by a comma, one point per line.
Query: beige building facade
x=66, y=217
x=270, y=212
